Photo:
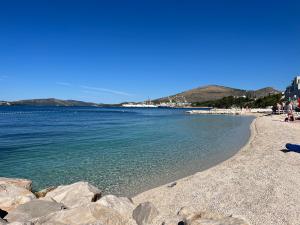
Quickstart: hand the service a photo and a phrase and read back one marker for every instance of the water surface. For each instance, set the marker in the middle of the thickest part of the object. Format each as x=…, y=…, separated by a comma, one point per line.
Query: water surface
x=122, y=151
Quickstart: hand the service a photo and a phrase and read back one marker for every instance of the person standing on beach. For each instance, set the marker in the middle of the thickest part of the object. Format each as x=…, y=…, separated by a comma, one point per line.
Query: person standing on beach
x=289, y=110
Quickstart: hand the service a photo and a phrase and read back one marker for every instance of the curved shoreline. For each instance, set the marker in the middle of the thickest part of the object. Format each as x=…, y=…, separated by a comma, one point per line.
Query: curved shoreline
x=253, y=132
x=255, y=184
x=258, y=185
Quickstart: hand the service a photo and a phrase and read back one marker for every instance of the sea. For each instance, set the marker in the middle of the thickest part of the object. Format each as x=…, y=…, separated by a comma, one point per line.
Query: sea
x=122, y=151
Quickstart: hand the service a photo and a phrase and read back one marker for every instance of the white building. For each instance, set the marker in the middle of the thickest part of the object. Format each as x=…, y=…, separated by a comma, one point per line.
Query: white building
x=293, y=91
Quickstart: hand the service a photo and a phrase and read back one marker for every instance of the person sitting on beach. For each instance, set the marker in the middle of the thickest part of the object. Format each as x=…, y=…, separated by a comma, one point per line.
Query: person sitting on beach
x=290, y=117
x=289, y=110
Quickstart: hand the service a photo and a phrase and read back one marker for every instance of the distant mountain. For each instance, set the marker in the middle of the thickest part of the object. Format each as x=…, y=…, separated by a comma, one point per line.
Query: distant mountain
x=214, y=92
x=263, y=92
x=51, y=102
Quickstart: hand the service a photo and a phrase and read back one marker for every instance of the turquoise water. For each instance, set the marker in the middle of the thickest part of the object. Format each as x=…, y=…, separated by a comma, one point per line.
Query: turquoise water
x=122, y=151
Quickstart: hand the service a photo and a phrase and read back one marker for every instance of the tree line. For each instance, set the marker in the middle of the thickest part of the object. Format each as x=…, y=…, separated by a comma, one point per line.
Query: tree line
x=241, y=102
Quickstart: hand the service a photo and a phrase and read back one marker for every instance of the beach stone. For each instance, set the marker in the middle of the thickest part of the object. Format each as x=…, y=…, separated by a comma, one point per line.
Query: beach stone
x=12, y=195
x=33, y=209
x=172, y=185
x=192, y=217
x=144, y=213
x=23, y=183
x=74, y=195
x=92, y=213
x=42, y=193
x=122, y=205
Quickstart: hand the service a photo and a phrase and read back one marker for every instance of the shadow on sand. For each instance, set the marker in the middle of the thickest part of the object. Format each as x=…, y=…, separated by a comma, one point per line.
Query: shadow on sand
x=290, y=150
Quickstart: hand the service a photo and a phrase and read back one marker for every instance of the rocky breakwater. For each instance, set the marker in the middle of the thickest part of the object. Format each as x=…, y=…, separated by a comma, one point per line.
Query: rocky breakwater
x=81, y=204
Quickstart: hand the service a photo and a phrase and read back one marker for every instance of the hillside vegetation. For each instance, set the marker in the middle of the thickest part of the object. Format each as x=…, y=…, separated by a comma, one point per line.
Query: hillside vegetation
x=230, y=101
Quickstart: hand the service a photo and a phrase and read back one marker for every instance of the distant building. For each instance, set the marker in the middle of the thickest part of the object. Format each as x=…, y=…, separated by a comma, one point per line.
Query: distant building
x=293, y=91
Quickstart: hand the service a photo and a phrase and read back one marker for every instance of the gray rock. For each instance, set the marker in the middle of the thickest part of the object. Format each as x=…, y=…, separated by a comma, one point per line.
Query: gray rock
x=33, y=209
x=42, y=193
x=172, y=184
x=74, y=195
x=144, y=213
x=23, y=183
x=92, y=213
x=13, y=194
x=122, y=205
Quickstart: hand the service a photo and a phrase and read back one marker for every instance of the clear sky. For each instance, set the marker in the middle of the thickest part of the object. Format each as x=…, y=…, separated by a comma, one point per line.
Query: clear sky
x=114, y=51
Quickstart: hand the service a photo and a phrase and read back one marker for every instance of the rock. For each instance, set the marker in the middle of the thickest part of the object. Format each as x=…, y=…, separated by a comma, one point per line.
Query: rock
x=172, y=185
x=42, y=193
x=23, y=183
x=74, y=195
x=12, y=195
x=144, y=213
x=33, y=209
x=3, y=222
x=122, y=205
x=92, y=213
x=192, y=217
x=2, y=213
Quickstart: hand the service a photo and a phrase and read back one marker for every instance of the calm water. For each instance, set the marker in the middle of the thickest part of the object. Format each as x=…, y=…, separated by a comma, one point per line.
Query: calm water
x=122, y=151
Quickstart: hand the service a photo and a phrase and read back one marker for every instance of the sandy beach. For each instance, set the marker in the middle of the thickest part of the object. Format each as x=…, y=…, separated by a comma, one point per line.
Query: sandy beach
x=260, y=184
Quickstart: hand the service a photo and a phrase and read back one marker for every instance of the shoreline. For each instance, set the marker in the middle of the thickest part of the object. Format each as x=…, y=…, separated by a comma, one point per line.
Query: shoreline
x=211, y=165
x=259, y=185
x=223, y=189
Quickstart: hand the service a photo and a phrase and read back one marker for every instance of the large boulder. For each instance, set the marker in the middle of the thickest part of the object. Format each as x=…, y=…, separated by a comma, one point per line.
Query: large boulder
x=23, y=183
x=145, y=213
x=92, y=213
x=12, y=195
x=122, y=205
x=33, y=209
x=74, y=195
x=193, y=217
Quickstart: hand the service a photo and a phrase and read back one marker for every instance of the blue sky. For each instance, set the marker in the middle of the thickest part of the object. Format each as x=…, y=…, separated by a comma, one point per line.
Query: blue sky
x=115, y=51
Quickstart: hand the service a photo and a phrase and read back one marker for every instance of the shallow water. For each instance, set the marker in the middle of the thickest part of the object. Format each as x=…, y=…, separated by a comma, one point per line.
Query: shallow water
x=122, y=151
